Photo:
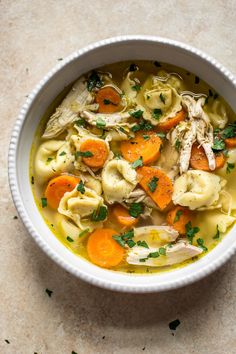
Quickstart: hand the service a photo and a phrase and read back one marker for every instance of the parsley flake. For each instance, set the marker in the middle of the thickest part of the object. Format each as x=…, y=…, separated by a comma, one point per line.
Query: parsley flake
x=84, y=232
x=230, y=167
x=157, y=113
x=218, y=145
x=133, y=67
x=162, y=98
x=80, y=187
x=44, y=202
x=137, y=163
x=177, y=144
x=100, y=214
x=80, y=122
x=191, y=231
x=200, y=243
x=94, y=81
x=142, y=244
x=69, y=239
x=136, y=87
x=83, y=154
x=161, y=135
x=135, y=209
x=49, y=159
x=153, y=255
x=178, y=215
x=62, y=153
x=217, y=235
x=152, y=185
x=136, y=114
x=162, y=251
x=146, y=137
x=100, y=123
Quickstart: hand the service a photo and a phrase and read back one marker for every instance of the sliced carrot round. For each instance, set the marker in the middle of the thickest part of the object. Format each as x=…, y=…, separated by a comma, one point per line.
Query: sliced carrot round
x=103, y=250
x=144, y=144
x=178, y=218
x=98, y=151
x=172, y=122
x=57, y=187
x=157, y=184
x=123, y=217
x=199, y=161
x=230, y=142
x=108, y=99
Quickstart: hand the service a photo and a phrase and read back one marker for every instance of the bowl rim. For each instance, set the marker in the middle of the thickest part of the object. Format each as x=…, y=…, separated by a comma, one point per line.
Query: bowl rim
x=17, y=199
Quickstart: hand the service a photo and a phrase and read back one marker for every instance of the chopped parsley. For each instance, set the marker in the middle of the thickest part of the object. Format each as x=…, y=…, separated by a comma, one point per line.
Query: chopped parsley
x=80, y=187
x=100, y=123
x=218, y=145
x=177, y=144
x=94, y=81
x=226, y=153
x=200, y=243
x=136, y=87
x=152, y=185
x=49, y=159
x=137, y=114
x=217, y=235
x=162, y=98
x=230, y=167
x=142, y=244
x=157, y=113
x=162, y=251
x=83, y=154
x=178, y=215
x=153, y=255
x=219, y=136
x=146, y=137
x=49, y=292
x=125, y=238
x=161, y=135
x=174, y=324
x=143, y=125
x=157, y=64
x=191, y=231
x=135, y=209
x=117, y=155
x=84, y=232
x=133, y=67
x=197, y=80
x=62, y=153
x=69, y=239
x=80, y=122
x=44, y=202
x=100, y=214
x=137, y=163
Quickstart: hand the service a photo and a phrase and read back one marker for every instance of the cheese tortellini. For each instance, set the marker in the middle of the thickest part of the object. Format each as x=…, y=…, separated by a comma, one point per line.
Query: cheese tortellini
x=197, y=189
x=79, y=207
x=118, y=180
x=217, y=114
x=52, y=157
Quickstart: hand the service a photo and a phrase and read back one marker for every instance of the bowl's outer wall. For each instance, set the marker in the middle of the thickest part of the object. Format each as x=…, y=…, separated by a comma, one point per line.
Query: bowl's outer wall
x=101, y=53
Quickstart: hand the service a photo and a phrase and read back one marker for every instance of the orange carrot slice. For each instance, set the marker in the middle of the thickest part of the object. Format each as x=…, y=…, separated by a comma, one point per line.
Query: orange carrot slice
x=145, y=144
x=57, y=187
x=172, y=122
x=230, y=142
x=178, y=218
x=199, y=160
x=108, y=99
x=98, y=152
x=122, y=216
x=157, y=184
x=103, y=250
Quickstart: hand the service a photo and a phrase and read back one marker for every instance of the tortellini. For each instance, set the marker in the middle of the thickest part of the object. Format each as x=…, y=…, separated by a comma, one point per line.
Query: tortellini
x=53, y=157
x=217, y=114
x=80, y=206
x=118, y=180
x=198, y=189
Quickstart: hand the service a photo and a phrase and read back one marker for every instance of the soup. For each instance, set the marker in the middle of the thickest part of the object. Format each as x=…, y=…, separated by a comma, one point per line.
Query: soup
x=133, y=167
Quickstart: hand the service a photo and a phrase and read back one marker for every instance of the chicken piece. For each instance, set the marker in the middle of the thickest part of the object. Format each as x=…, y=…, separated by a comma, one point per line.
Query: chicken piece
x=109, y=120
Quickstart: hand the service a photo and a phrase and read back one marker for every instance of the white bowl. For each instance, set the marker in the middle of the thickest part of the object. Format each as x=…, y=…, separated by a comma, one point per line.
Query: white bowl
x=95, y=55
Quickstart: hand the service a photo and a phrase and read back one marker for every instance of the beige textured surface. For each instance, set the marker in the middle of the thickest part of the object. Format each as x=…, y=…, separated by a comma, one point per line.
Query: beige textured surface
x=79, y=317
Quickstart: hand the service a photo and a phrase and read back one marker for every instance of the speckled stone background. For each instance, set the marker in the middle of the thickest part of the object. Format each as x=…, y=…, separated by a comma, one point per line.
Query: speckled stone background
x=78, y=317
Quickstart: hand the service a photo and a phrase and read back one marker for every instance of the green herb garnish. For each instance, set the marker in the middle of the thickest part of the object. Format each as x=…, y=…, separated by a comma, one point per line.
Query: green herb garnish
x=218, y=145
x=143, y=125
x=100, y=123
x=217, y=235
x=133, y=67
x=83, y=154
x=125, y=238
x=152, y=185
x=80, y=122
x=100, y=214
x=153, y=255
x=142, y=244
x=200, y=243
x=162, y=251
x=137, y=163
x=69, y=239
x=117, y=155
x=136, y=114
x=49, y=159
x=94, y=81
x=80, y=187
x=135, y=209
x=178, y=215
x=146, y=137
x=230, y=167
x=162, y=98
x=161, y=135
x=62, y=153
x=157, y=113
x=44, y=202
x=84, y=232
x=136, y=87
x=191, y=231
x=177, y=144
x=131, y=243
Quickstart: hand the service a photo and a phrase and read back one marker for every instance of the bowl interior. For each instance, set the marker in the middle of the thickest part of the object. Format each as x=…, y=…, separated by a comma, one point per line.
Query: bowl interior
x=106, y=52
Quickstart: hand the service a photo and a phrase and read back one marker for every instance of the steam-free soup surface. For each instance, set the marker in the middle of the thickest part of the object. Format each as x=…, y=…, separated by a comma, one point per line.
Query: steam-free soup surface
x=133, y=167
